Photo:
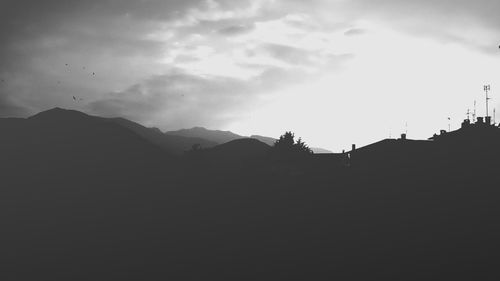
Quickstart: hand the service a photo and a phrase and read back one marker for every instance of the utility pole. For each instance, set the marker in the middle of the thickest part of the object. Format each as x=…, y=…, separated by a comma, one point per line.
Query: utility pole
x=487, y=88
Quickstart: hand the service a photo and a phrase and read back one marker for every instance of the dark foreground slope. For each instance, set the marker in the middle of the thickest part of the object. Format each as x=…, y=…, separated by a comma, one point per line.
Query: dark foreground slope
x=434, y=219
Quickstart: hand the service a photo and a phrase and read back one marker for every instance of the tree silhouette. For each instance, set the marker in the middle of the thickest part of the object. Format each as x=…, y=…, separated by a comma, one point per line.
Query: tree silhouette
x=302, y=147
x=287, y=148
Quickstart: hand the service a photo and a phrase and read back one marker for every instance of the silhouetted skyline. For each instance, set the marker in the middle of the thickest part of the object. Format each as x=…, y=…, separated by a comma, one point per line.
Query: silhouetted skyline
x=91, y=198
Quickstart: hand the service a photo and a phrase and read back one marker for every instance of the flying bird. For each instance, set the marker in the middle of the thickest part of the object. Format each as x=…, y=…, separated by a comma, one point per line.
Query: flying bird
x=74, y=98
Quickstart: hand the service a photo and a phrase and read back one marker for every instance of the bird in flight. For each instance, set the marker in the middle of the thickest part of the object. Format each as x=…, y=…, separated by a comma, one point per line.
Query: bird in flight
x=74, y=98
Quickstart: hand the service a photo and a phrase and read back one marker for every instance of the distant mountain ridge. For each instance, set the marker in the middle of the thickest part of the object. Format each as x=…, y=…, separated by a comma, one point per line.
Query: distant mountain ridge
x=220, y=137
x=174, y=144
x=171, y=142
x=216, y=136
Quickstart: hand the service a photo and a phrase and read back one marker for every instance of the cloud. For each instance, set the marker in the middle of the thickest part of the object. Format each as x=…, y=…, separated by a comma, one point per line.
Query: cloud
x=236, y=29
x=159, y=62
x=474, y=24
x=178, y=99
x=354, y=32
x=288, y=54
x=9, y=109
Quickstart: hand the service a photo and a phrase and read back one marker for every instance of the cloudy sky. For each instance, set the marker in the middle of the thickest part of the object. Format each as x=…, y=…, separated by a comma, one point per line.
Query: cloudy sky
x=335, y=72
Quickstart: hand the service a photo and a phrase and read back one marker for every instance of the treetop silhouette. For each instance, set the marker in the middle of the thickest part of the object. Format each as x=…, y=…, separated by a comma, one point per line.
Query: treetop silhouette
x=287, y=148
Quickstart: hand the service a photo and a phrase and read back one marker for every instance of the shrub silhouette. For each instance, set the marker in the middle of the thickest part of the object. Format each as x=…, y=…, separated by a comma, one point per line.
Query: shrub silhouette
x=287, y=148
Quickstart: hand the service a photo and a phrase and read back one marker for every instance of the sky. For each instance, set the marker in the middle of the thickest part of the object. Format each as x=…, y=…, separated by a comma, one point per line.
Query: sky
x=335, y=72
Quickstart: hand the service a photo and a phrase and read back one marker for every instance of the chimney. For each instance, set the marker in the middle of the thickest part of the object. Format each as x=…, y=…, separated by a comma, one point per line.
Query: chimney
x=353, y=147
x=480, y=120
x=403, y=136
x=488, y=120
x=466, y=123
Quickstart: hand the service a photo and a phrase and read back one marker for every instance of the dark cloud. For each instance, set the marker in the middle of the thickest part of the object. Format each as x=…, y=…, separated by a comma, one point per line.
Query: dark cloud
x=288, y=54
x=300, y=57
x=178, y=99
x=40, y=37
x=236, y=29
x=354, y=32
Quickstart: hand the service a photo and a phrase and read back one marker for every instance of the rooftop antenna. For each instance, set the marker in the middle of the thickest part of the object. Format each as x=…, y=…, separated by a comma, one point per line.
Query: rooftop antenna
x=406, y=128
x=468, y=114
x=449, y=124
x=487, y=88
x=474, y=114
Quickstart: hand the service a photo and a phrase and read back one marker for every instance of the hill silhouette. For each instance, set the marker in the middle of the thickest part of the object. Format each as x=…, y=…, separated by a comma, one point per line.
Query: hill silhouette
x=215, y=136
x=220, y=137
x=174, y=144
x=267, y=140
x=62, y=143
x=236, y=154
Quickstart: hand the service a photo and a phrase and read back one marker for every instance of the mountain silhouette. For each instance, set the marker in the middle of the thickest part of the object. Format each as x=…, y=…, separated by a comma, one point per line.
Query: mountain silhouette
x=220, y=137
x=62, y=143
x=267, y=140
x=215, y=136
x=319, y=150
x=234, y=154
x=174, y=144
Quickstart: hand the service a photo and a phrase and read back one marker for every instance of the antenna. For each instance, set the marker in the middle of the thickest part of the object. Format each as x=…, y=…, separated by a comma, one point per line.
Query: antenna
x=486, y=89
x=406, y=128
x=468, y=114
x=449, y=125
x=474, y=114
x=494, y=116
